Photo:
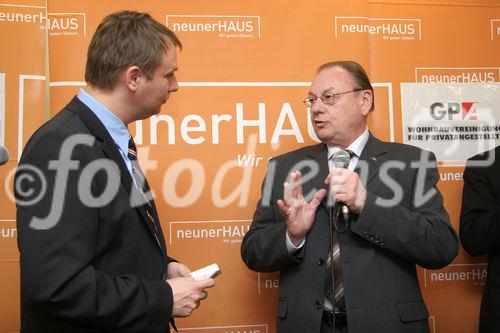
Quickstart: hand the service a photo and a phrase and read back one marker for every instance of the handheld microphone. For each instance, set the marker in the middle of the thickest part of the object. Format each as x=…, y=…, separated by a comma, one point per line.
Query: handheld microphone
x=4, y=155
x=341, y=159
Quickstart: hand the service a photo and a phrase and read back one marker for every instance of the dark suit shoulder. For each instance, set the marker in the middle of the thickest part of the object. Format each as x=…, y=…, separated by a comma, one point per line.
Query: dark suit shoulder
x=300, y=153
x=65, y=121
x=63, y=125
x=397, y=151
x=404, y=148
x=492, y=153
x=486, y=162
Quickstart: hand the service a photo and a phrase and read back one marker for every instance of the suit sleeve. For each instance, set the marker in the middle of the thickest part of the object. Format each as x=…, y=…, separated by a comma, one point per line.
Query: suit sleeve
x=264, y=246
x=480, y=214
x=417, y=229
x=58, y=275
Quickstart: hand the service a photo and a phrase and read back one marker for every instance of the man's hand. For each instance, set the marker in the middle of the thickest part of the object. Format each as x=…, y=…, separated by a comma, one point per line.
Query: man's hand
x=298, y=213
x=346, y=187
x=188, y=294
x=175, y=269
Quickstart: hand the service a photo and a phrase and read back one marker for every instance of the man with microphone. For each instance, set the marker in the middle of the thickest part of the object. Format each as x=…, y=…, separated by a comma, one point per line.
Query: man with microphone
x=346, y=221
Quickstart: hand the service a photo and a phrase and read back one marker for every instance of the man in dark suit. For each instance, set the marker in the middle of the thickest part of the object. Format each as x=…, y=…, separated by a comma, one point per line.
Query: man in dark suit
x=480, y=228
x=385, y=220
x=93, y=256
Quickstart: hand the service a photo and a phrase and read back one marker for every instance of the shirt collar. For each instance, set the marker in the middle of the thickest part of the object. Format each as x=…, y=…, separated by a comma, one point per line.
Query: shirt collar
x=115, y=127
x=356, y=147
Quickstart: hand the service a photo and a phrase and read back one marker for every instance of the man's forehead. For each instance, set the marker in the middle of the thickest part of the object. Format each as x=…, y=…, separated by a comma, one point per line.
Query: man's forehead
x=332, y=77
x=333, y=74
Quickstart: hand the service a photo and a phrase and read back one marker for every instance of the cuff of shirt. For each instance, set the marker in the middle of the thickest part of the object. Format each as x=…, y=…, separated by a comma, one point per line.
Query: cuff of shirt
x=292, y=248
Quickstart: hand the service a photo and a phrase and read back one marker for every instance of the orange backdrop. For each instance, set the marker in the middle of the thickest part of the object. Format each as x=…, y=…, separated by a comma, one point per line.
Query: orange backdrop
x=244, y=70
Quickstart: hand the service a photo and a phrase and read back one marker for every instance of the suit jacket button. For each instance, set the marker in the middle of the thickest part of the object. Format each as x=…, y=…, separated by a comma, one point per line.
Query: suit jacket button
x=321, y=261
x=317, y=305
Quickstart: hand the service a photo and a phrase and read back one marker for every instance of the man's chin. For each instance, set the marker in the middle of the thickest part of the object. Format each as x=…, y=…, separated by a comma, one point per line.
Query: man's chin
x=155, y=112
x=158, y=109
x=150, y=113
x=320, y=133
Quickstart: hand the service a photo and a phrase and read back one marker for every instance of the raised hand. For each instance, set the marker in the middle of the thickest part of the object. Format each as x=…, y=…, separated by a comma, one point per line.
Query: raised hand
x=298, y=213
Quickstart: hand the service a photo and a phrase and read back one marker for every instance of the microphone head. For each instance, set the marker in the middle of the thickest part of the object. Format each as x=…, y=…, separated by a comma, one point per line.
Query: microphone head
x=4, y=155
x=341, y=159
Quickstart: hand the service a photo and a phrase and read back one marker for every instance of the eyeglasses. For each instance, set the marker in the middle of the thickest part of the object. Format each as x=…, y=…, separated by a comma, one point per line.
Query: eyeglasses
x=328, y=98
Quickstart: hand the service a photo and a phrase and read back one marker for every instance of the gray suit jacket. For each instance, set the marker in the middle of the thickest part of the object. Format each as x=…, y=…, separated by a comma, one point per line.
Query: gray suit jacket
x=378, y=254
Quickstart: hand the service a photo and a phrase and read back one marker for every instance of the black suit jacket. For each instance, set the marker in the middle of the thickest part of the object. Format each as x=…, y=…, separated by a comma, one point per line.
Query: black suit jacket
x=480, y=228
x=378, y=254
x=98, y=268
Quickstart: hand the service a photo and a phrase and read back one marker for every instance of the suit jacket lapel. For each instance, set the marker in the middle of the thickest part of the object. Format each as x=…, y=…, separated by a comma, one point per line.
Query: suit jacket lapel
x=368, y=164
x=319, y=154
x=97, y=129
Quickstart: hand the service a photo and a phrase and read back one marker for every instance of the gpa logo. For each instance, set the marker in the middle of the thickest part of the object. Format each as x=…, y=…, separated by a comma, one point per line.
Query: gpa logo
x=66, y=24
x=452, y=111
x=221, y=26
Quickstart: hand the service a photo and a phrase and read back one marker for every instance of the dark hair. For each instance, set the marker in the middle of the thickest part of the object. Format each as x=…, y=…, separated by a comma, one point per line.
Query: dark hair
x=360, y=77
x=124, y=39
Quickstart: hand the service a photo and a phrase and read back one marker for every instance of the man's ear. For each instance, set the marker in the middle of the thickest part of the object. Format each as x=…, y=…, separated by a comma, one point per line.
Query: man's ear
x=366, y=101
x=132, y=77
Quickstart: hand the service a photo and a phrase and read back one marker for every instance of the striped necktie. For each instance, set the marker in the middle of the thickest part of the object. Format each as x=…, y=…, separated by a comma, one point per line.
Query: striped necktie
x=334, y=292
x=142, y=185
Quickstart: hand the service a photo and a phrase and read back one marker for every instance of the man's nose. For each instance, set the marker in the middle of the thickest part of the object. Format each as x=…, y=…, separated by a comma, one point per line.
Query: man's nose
x=173, y=84
x=317, y=106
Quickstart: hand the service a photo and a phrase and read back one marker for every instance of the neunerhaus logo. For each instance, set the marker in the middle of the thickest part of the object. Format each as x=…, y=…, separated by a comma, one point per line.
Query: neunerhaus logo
x=459, y=78
x=58, y=24
x=457, y=74
x=469, y=274
x=218, y=25
x=226, y=232
x=386, y=28
x=17, y=17
x=66, y=24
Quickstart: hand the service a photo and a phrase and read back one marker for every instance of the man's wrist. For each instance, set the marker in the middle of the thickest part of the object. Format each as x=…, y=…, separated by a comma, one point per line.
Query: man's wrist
x=291, y=247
